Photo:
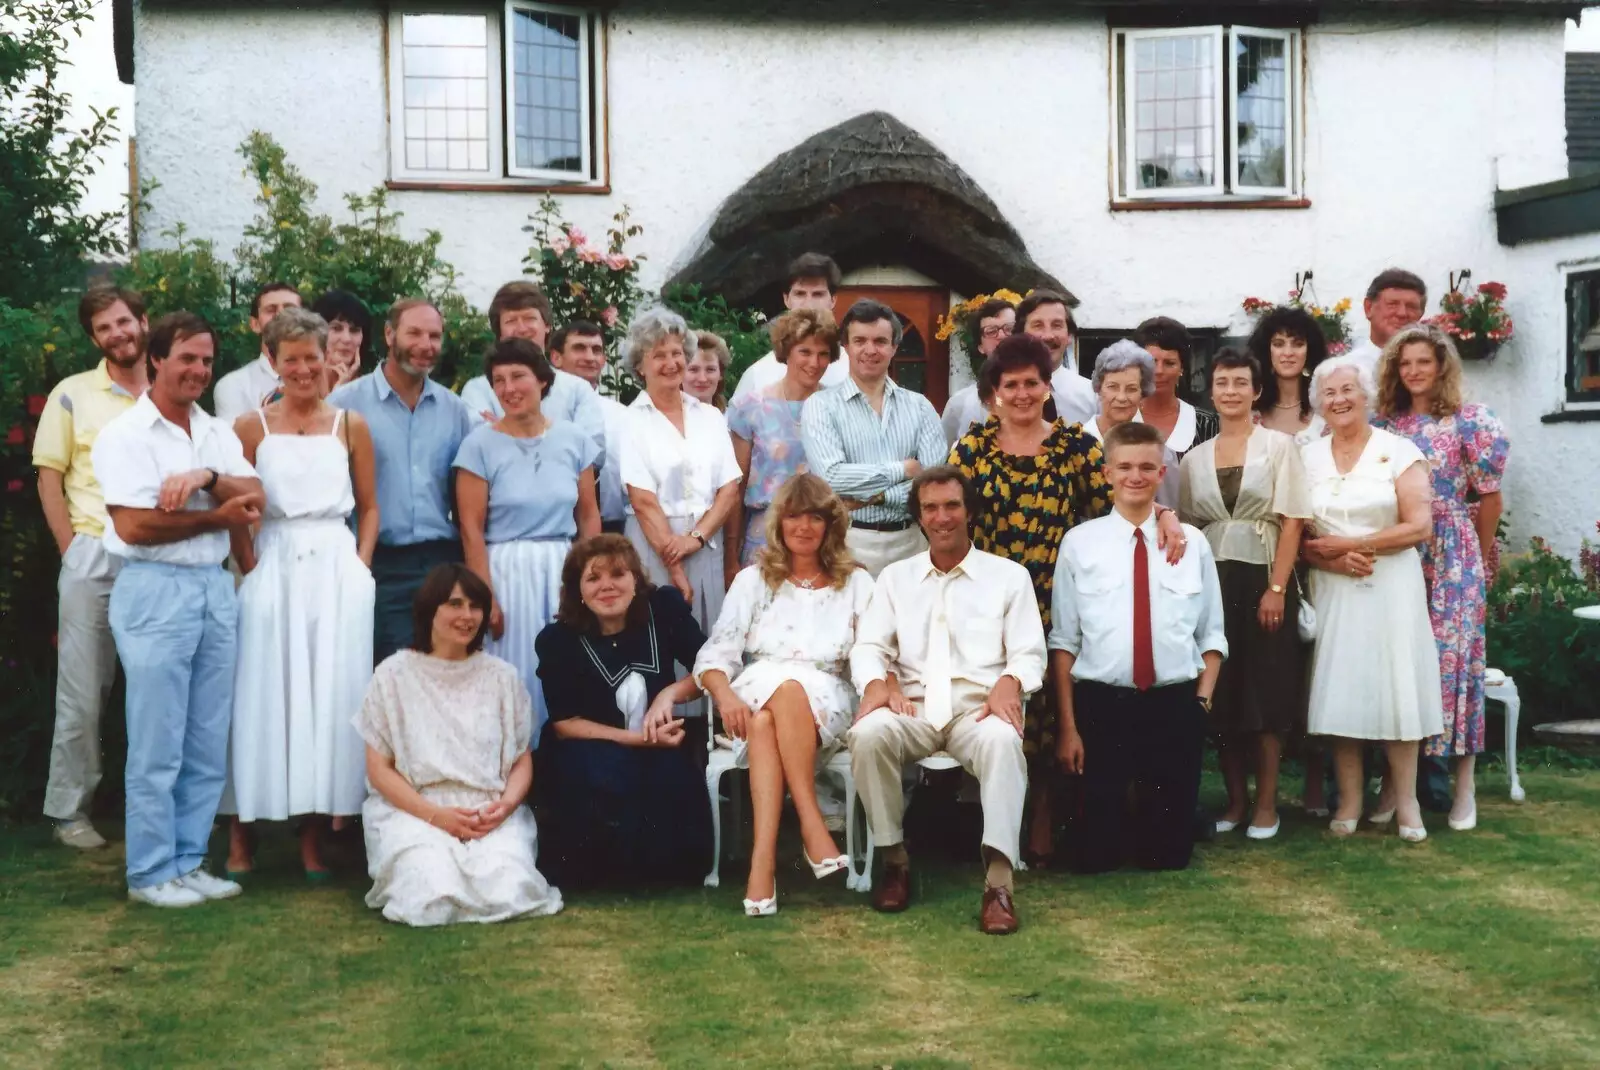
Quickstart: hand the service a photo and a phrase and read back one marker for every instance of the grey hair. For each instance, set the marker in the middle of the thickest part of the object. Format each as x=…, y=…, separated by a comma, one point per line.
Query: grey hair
x=295, y=324
x=1119, y=357
x=648, y=330
x=1326, y=370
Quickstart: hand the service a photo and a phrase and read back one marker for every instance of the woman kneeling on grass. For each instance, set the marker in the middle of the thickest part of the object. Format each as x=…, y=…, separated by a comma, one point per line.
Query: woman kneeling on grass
x=447, y=729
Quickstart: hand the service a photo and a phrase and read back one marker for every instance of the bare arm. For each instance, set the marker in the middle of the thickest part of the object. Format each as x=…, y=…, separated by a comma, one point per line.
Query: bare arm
x=1208, y=676
x=363, y=476
x=53, y=500
x=733, y=538
x=1490, y=508
x=587, y=512
x=472, y=511
x=1415, y=525
x=583, y=728
x=721, y=506
x=156, y=527
x=1288, y=550
x=1069, y=745
x=653, y=519
x=460, y=822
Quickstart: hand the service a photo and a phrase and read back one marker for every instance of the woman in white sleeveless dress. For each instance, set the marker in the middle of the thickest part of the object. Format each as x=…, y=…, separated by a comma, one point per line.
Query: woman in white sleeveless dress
x=305, y=607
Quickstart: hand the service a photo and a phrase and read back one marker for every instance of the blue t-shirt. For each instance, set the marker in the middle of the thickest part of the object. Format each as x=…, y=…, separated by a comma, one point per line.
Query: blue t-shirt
x=533, y=482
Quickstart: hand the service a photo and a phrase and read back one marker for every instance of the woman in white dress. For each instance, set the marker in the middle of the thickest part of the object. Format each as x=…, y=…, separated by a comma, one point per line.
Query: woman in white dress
x=678, y=467
x=1246, y=489
x=447, y=729
x=1375, y=666
x=776, y=668
x=525, y=488
x=305, y=607
x=1124, y=375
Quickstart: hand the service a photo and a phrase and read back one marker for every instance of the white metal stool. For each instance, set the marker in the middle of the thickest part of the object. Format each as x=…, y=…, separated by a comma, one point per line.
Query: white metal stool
x=1502, y=688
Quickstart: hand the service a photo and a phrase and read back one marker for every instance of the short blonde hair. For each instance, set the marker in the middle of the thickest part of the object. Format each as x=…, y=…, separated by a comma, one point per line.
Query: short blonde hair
x=806, y=493
x=800, y=324
x=1329, y=367
x=1393, y=397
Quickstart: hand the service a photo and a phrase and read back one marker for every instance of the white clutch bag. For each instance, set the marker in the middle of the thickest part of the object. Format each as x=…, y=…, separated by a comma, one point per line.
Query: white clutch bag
x=1305, y=618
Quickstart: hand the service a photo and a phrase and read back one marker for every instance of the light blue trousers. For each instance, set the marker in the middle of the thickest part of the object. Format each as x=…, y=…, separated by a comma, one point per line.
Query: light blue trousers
x=177, y=635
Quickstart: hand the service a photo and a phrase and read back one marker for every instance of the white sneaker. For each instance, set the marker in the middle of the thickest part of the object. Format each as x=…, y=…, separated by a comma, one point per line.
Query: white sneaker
x=172, y=893
x=209, y=887
x=79, y=833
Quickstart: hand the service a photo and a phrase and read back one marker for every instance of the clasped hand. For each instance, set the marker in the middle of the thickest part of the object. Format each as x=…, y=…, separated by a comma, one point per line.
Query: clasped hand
x=1336, y=553
x=662, y=727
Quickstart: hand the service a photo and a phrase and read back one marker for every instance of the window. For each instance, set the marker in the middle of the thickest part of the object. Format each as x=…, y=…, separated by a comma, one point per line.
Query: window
x=510, y=95
x=1206, y=112
x=1206, y=342
x=1583, y=336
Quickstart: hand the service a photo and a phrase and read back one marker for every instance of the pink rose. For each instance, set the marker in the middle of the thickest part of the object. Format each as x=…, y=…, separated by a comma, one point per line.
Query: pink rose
x=617, y=261
x=559, y=245
x=589, y=256
x=609, y=316
x=578, y=237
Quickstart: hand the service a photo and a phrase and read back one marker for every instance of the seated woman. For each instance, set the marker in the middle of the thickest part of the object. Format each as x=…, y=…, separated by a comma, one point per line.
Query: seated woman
x=447, y=729
x=627, y=800
x=776, y=668
x=1124, y=375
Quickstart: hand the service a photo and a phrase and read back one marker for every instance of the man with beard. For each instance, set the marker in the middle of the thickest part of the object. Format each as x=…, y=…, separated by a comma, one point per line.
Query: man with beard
x=176, y=483
x=417, y=426
x=74, y=508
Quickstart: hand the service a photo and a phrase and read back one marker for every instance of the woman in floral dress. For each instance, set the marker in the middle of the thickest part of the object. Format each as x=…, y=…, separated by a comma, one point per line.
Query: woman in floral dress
x=1419, y=396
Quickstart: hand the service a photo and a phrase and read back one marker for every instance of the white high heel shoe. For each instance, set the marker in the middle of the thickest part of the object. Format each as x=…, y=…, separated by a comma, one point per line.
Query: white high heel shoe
x=1381, y=818
x=1413, y=834
x=1468, y=823
x=763, y=908
x=827, y=867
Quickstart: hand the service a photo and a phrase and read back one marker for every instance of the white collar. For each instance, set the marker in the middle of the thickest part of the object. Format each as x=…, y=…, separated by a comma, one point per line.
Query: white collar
x=1126, y=529
x=201, y=422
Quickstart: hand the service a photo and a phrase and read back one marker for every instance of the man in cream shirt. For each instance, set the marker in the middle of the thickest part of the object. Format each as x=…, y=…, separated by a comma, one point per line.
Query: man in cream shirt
x=945, y=658
x=247, y=389
x=1136, y=643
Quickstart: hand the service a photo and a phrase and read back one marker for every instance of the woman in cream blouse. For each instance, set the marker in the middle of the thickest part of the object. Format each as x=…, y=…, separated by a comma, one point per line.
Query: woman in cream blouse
x=1246, y=489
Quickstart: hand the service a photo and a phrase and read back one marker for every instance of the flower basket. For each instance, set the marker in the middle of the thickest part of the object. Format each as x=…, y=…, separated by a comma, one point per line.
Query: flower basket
x=1477, y=323
x=1477, y=348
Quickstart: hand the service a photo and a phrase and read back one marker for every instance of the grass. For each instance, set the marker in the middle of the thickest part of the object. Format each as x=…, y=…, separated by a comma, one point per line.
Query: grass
x=1472, y=950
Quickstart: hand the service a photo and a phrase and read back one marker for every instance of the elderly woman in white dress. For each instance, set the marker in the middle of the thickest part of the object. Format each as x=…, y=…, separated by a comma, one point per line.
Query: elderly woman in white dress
x=447, y=730
x=775, y=667
x=1375, y=666
x=678, y=467
x=1124, y=375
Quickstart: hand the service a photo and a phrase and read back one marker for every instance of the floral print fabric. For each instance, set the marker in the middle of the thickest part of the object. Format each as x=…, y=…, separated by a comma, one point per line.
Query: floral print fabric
x=772, y=427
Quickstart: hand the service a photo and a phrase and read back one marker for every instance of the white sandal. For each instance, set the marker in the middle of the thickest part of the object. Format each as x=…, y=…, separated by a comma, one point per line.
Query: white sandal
x=827, y=867
x=762, y=908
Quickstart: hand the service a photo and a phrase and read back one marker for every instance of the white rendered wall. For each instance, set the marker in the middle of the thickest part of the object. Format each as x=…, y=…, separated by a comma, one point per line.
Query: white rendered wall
x=1410, y=129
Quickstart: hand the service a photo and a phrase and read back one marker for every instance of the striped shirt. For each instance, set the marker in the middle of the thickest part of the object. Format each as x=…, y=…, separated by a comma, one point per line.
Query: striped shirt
x=862, y=455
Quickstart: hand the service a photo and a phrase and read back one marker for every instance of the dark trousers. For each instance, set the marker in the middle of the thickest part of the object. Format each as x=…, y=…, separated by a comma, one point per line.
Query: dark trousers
x=397, y=572
x=613, y=527
x=1149, y=741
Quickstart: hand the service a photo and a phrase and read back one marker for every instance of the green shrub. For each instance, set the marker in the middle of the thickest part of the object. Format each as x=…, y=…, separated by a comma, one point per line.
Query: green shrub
x=1533, y=636
x=744, y=329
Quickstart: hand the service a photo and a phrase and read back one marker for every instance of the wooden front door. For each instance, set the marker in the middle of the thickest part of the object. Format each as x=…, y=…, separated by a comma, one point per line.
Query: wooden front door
x=923, y=362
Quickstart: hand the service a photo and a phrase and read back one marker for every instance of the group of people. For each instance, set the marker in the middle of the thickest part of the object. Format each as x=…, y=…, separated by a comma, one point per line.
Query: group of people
x=440, y=609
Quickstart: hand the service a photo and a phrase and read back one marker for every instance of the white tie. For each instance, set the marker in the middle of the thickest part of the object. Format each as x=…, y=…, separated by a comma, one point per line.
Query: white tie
x=936, y=676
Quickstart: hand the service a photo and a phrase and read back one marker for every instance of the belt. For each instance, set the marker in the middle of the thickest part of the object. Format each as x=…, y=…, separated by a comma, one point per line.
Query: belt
x=887, y=525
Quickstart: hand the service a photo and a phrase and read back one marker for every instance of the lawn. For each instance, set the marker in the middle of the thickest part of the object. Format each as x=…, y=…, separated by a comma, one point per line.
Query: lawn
x=1472, y=950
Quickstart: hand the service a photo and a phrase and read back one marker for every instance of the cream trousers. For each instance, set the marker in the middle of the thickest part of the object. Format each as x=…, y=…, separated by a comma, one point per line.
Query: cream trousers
x=874, y=550
x=882, y=744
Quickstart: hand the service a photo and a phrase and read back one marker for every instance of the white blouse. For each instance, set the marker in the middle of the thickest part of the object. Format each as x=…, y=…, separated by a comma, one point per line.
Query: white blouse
x=1272, y=485
x=684, y=471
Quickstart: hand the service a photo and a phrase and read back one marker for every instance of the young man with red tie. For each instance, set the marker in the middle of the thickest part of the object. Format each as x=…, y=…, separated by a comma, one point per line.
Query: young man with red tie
x=1135, y=647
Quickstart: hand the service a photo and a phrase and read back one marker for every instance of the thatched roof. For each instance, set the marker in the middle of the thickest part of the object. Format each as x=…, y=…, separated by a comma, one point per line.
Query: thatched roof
x=870, y=190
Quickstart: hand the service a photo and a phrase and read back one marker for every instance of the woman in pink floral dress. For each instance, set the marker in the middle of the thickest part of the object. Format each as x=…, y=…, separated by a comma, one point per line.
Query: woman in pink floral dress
x=1419, y=396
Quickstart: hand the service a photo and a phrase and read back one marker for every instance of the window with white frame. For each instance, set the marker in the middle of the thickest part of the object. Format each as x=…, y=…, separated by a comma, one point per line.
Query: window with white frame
x=508, y=94
x=1206, y=112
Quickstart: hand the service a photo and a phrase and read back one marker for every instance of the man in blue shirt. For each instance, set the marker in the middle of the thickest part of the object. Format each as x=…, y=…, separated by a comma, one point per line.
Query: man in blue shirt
x=417, y=426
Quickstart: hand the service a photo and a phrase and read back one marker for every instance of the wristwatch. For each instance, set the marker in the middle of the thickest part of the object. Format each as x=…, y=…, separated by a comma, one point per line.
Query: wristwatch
x=1275, y=588
x=212, y=482
x=697, y=535
x=1205, y=702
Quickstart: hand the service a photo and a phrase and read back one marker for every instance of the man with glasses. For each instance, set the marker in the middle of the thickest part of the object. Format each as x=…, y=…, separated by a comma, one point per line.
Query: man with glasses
x=869, y=437
x=996, y=317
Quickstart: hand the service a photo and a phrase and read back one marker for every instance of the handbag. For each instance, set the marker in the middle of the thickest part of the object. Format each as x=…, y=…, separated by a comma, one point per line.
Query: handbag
x=1305, y=619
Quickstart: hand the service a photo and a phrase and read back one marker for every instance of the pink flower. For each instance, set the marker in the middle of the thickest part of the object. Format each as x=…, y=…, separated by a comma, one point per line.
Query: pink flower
x=578, y=237
x=1338, y=349
x=608, y=315
x=559, y=245
x=14, y=437
x=1496, y=290
x=590, y=256
x=617, y=261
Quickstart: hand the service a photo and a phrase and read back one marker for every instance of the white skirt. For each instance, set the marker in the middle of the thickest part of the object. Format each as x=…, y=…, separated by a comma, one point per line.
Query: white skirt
x=1375, y=666
x=305, y=658
x=421, y=875
x=526, y=576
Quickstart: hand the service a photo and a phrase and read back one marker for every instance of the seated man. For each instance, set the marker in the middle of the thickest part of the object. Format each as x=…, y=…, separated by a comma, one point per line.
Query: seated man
x=1135, y=646
x=945, y=657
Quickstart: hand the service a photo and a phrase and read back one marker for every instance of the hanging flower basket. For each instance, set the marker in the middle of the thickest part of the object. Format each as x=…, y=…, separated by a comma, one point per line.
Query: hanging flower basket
x=1477, y=323
x=1477, y=348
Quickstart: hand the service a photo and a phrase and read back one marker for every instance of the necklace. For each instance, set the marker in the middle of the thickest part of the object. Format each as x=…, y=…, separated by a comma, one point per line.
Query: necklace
x=808, y=583
x=1291, y=405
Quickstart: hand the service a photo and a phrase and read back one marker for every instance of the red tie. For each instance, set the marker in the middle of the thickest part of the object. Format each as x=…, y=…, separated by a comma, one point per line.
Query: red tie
x=1144, y=657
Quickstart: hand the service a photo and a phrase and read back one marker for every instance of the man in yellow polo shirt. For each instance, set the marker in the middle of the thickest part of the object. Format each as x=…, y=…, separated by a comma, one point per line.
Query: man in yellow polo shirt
x=77, y=409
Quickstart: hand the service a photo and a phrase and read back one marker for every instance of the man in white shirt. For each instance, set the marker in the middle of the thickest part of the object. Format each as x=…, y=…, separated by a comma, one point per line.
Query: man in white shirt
x=521, y=310
x=246, y=389
x=176, y=483
x=579, y=349
x=946, y=655
x=996, y=317
x=1395, y=299
x=870, y=437
x=1136, y=643
x=1046, y=315
x=812, y=283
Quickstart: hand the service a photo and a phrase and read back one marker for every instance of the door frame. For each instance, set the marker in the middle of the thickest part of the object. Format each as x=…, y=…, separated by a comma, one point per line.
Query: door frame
x=922, y=306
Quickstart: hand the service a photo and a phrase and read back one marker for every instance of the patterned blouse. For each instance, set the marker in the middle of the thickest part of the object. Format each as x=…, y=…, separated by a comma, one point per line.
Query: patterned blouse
x=1028, y=504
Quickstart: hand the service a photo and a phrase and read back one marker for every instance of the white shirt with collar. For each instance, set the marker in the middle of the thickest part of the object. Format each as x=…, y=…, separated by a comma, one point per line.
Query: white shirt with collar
x=138, y=450
x=684, y=471
x=1076, y=402
x=1092, y=604
x=1367, y=353
x=995, y=628
x=961, y=412
x=244, y=389
x=766, y=371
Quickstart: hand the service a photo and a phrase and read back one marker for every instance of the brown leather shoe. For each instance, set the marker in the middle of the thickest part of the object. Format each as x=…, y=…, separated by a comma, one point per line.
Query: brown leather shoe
x=998, y=916
x=893, y=891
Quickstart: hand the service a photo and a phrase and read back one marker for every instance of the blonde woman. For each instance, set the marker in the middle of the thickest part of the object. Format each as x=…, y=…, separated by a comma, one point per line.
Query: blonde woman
x=1419, y=397
x=776, y=668
x=707, y=368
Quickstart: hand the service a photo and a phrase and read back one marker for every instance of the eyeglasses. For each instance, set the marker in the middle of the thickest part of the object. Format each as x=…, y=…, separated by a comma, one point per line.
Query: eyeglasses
x=997, y=330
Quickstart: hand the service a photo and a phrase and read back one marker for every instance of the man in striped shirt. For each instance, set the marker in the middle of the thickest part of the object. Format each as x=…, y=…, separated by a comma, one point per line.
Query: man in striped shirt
x=869, y=437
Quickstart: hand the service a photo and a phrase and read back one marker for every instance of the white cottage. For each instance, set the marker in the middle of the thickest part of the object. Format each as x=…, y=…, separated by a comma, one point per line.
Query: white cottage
x=1151, y=157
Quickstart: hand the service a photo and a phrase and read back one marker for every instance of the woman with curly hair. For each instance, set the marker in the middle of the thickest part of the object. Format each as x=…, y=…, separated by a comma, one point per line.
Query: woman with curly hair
x=775, y=666
x=1288, y=345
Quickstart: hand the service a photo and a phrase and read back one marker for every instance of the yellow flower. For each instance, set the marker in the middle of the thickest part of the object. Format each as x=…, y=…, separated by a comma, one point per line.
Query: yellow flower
x=49, y=348
x=266, y=192
x=161, y=284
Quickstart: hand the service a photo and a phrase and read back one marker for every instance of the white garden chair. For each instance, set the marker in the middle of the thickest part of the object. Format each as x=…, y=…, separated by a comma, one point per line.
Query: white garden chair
x=1502, y=688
